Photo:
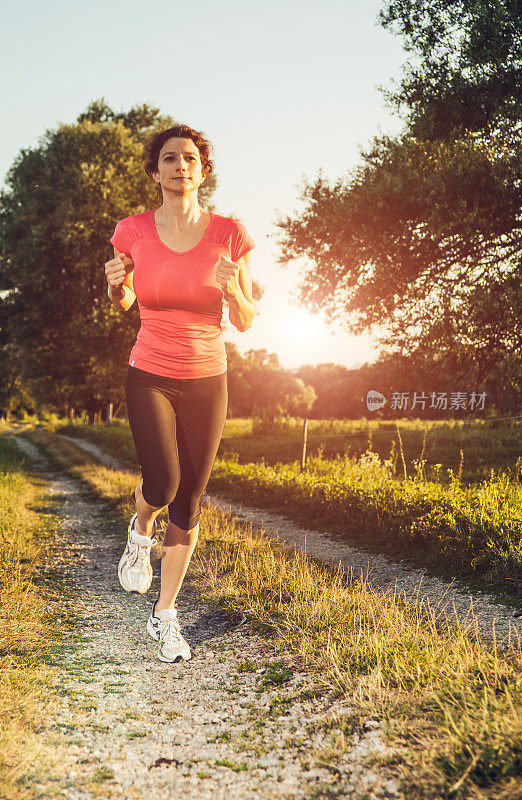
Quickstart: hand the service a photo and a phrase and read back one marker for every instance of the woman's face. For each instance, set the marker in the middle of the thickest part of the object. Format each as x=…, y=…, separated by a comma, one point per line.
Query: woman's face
x=179, y=166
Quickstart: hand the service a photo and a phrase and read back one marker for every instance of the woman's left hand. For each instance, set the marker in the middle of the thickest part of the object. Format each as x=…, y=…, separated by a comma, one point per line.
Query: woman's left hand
x=227, y=275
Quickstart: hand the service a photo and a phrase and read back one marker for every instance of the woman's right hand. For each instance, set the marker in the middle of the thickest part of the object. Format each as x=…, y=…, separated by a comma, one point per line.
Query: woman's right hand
x=115, y=271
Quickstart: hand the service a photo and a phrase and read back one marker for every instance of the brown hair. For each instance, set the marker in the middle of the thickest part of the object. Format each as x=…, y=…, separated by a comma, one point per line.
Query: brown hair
x=156, y=141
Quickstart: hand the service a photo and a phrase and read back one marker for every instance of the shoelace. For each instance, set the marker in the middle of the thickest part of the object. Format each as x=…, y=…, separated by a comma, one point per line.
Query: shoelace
x=140, y=552
x=170, y=629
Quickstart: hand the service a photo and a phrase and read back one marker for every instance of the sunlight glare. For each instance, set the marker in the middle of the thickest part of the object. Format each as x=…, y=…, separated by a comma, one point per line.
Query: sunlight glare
x=303, y=326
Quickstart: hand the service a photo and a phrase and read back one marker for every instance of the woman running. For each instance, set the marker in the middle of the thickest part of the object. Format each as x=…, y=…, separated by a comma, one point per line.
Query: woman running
x=179, y=260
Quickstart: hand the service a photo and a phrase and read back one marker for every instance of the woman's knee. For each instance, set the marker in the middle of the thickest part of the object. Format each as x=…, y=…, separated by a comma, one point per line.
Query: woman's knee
x=158, y=488
x=185, y=512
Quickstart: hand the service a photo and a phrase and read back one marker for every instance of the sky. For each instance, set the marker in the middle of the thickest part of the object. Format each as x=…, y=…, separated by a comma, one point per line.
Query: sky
x=282, y=89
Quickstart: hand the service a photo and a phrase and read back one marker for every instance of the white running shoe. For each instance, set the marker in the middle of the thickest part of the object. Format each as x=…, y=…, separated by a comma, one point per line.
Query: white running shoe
x=134, y=569
x=164, y=626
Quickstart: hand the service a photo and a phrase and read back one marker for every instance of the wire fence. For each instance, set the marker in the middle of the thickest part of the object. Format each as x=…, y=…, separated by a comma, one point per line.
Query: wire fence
x=368, y=433
x=367, y=430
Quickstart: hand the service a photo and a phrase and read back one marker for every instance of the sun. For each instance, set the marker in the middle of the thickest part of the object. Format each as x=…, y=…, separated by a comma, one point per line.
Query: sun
x=299, y=337
x=304, y=327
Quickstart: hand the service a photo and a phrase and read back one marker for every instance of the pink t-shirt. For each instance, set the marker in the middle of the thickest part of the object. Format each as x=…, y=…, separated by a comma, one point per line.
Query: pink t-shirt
x=179, y=298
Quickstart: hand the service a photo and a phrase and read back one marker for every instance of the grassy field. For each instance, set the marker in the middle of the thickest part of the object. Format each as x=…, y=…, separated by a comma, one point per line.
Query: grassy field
x=29, y=630
x=400, y=505
x=451, y=704
x=485, y=445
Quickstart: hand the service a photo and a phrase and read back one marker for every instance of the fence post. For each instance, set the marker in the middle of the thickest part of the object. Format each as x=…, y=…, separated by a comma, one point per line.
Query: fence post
x=109, y=414
x=303, y=455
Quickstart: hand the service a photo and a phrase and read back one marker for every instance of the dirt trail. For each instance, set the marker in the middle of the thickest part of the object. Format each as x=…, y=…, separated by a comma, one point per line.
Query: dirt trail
x=134, y=727
x=476, y=611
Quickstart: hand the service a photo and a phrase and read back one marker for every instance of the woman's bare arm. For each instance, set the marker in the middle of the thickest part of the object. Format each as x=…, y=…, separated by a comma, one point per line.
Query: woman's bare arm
x=241, y=306
x=123, y=296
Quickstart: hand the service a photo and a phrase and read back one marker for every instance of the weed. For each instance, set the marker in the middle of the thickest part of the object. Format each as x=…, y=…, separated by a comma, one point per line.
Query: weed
x=131, y=715
x=173, y=714
x=224, y=736
x=224, y=762
x=247, y=666
x=276, y=674
x=102, y=774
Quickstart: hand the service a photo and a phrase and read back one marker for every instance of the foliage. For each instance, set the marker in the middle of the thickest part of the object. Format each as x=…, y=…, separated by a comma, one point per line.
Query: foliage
x=471, y=531
x=258, y=385
x=466, y=68
x=423, y=238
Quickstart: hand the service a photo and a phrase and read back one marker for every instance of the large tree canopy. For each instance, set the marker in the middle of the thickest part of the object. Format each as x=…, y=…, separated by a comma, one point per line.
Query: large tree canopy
x=466, y=69
x=60, y=334
x=423, y=238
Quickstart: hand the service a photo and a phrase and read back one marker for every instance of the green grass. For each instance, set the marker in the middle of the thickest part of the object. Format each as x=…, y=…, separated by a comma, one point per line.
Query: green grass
x=29, y=630
x=473, y=532
x=102, y=774
x=486, y=445
x=225, y=762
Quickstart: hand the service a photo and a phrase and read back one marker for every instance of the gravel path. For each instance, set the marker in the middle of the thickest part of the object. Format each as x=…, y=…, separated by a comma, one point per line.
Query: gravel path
x=477, y=611
x=131, y=726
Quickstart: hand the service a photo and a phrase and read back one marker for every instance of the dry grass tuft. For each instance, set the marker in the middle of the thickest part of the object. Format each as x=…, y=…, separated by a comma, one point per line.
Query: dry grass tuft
x=26, y=630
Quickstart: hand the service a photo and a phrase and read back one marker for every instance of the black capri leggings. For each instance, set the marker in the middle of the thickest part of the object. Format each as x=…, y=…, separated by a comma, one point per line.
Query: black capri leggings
x=176, y=424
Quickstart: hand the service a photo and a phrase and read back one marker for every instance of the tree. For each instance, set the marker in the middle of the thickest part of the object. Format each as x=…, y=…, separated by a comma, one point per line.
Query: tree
x=466, y=69
x=258, y=385
x=336, y=395
x=423, y=238
x=63, y=198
